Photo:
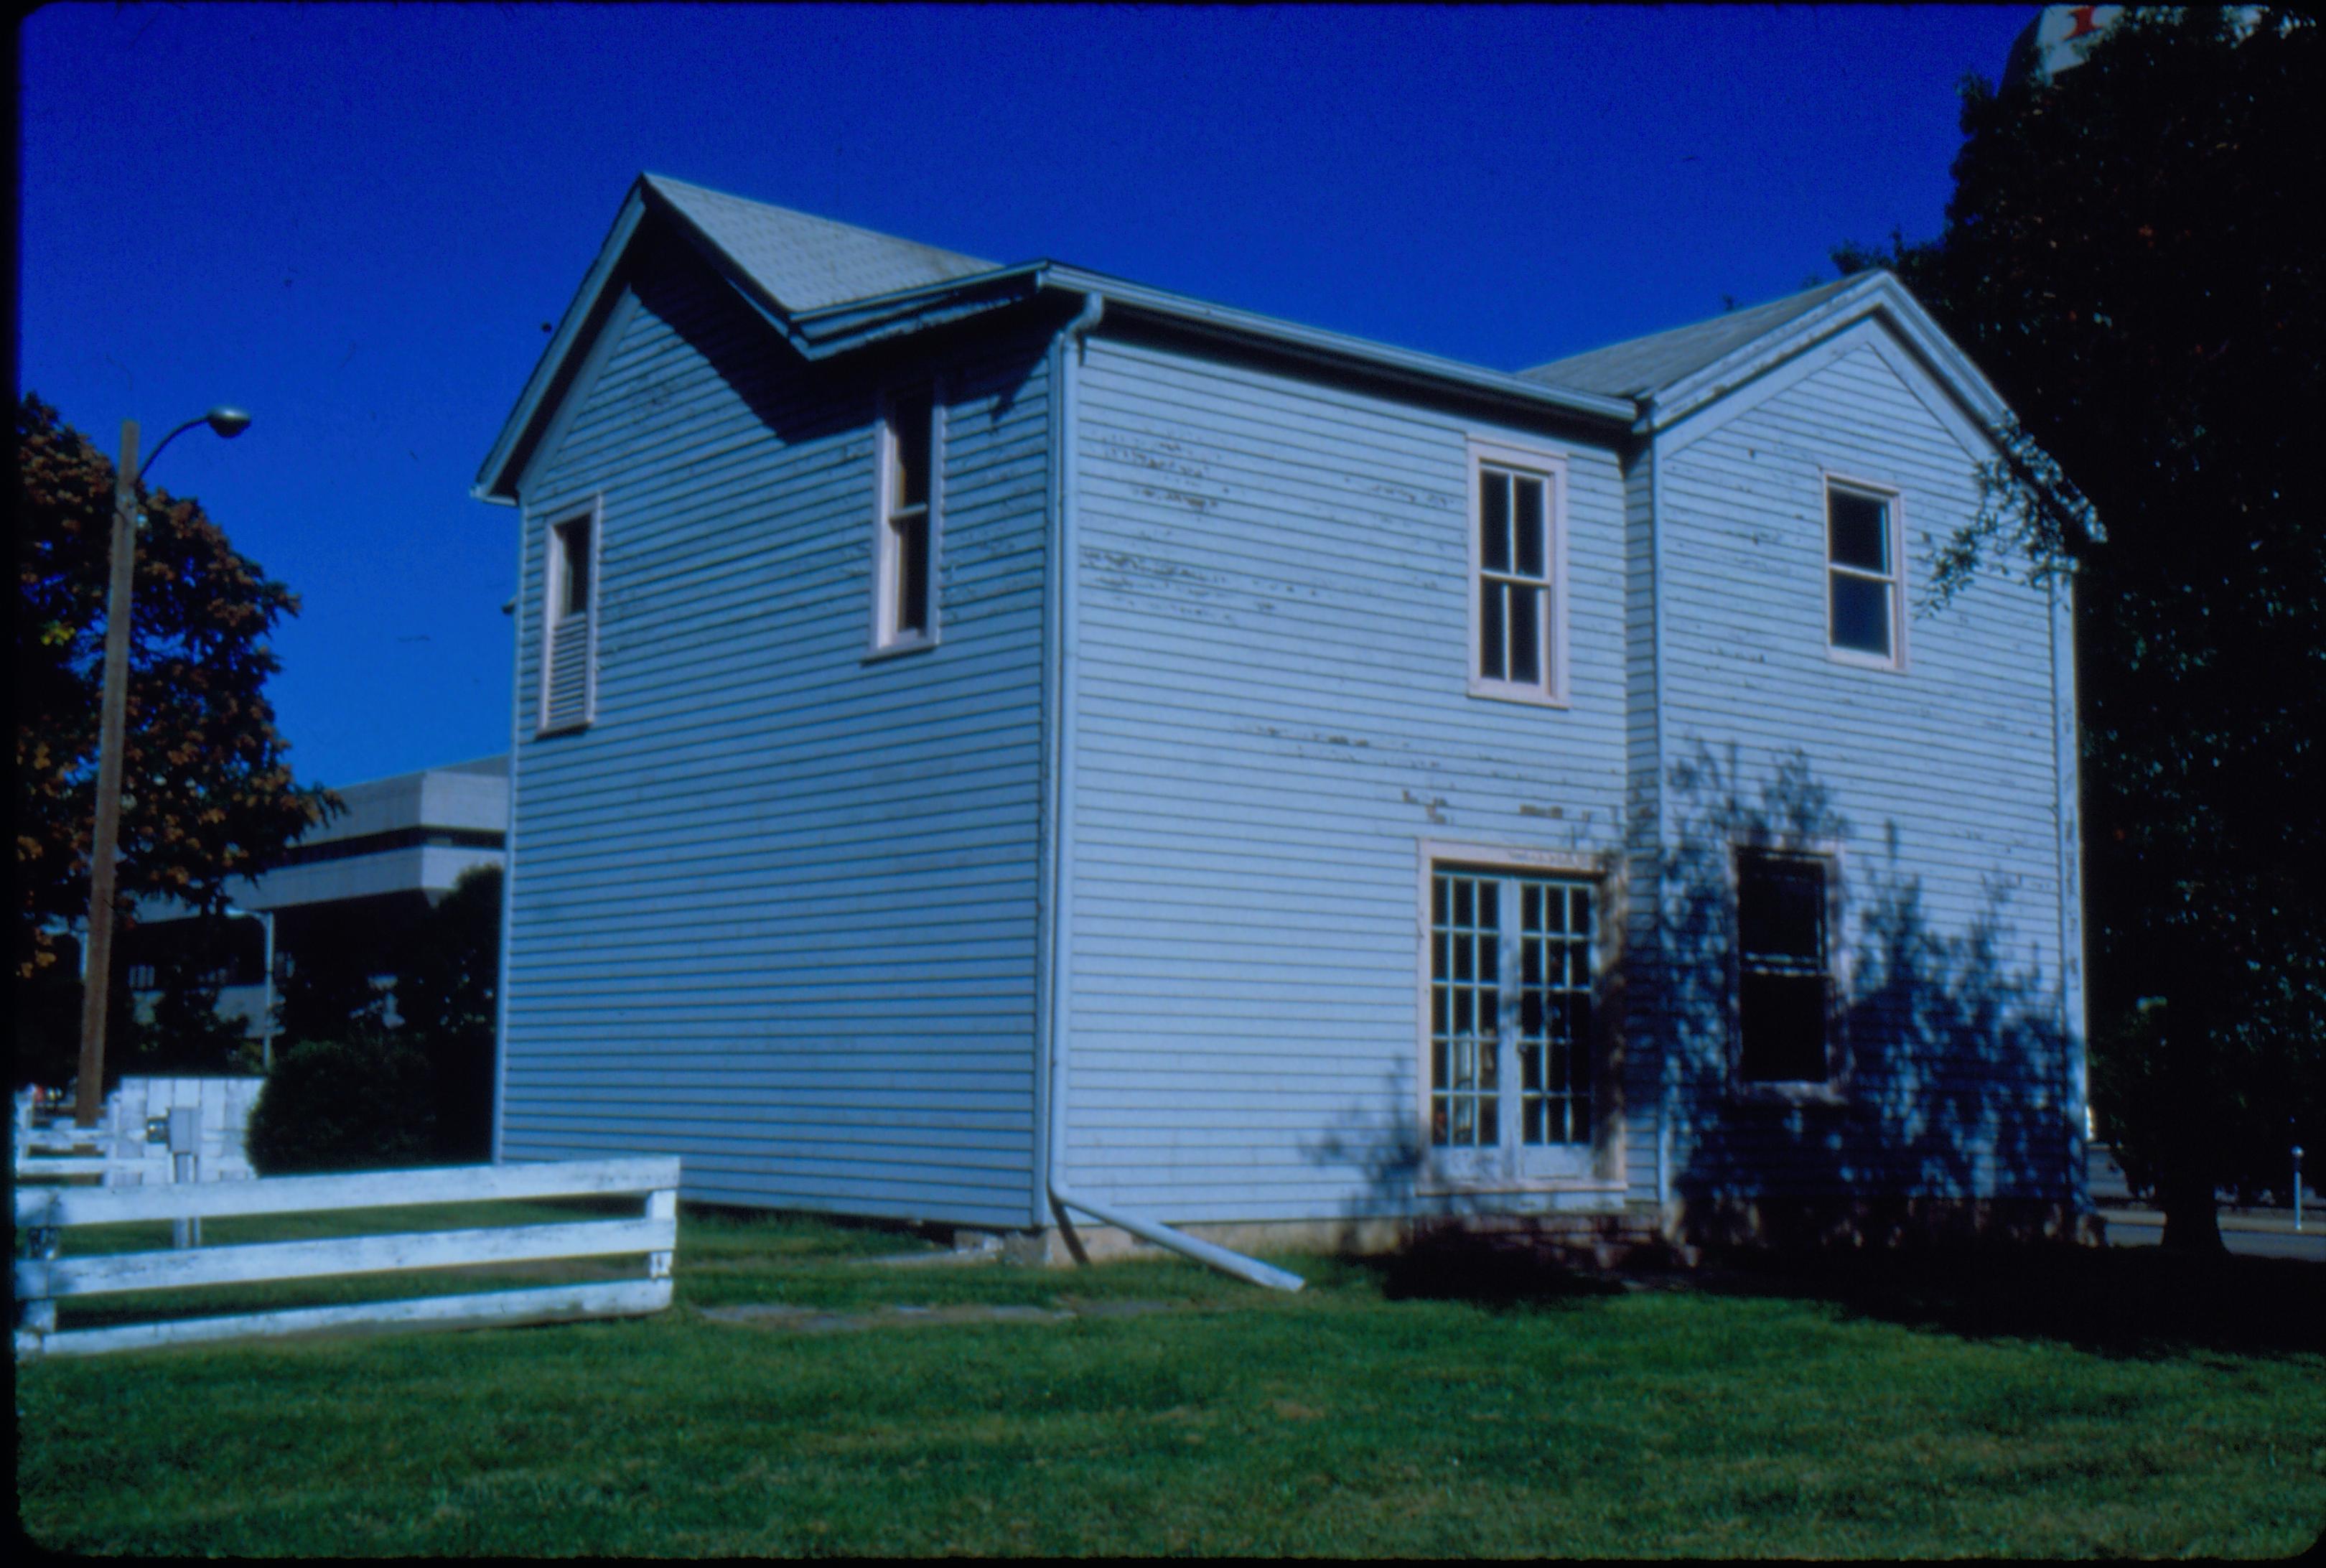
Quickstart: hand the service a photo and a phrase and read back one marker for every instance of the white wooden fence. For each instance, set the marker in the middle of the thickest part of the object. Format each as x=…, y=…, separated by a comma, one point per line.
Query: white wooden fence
x=63, y=1150
x=44, y=1278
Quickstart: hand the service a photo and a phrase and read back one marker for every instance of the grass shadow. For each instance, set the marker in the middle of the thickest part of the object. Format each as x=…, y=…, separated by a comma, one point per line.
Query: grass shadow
x=1501, y=1271
x=2117, y=1301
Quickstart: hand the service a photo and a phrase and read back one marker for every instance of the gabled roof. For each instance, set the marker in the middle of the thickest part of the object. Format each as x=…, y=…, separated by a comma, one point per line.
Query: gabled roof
x=1643, y=367
x=807, y=263
x=828, y=288
x=1670, y=374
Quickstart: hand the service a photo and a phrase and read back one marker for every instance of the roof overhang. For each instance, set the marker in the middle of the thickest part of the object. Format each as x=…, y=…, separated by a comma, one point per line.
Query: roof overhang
x=1874, y=294
x=568, y=345
x=1337, y=347
x=838, y=330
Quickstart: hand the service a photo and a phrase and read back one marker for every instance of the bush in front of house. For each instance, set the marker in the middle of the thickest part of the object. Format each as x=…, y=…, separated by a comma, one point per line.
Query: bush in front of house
x=367, y=1102
x=439, y=1005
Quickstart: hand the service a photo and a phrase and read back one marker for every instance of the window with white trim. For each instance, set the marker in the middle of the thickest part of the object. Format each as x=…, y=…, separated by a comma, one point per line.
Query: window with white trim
x=569, y=644
x=1864, y=587
x=906, y=530
x=1518, y=574
x=1510, y=1046
x=1784, y=970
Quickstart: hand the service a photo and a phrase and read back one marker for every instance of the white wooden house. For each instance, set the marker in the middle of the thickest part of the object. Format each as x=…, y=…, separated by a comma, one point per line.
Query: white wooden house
x=999, y=740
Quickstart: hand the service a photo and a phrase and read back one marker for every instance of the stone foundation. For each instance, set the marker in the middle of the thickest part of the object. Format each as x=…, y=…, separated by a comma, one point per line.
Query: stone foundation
x=1590, y=1240
x=1879, y=1224
x=1631, y=1238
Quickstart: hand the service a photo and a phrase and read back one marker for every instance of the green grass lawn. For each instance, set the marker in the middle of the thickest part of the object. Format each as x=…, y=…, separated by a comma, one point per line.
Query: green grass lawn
x=1442, y=1405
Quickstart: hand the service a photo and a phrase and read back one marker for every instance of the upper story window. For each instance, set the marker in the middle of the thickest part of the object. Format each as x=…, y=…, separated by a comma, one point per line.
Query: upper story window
x=1518, y=574
x=905, y=527
x=1864, y=588
x=569, y=644
x=1784, y=974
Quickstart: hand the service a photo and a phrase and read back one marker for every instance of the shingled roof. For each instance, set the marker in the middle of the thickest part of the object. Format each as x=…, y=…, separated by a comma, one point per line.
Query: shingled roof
x=1643, y=367
x=805, y=262
x=831, y=287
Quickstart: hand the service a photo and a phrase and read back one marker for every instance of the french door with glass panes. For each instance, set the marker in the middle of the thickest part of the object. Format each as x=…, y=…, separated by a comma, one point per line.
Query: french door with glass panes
x=1509, y=1078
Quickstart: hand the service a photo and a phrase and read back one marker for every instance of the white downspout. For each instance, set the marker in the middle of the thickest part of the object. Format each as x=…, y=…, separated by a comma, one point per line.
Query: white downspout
x=1666, y=1076
x=1063, y=1196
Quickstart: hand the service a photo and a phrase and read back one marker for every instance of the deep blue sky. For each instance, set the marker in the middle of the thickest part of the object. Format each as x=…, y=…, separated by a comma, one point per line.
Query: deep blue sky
x=354, y=221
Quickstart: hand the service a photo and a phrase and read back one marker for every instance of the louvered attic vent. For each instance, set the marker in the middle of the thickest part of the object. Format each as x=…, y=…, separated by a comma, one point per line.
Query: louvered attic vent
x=569, y=677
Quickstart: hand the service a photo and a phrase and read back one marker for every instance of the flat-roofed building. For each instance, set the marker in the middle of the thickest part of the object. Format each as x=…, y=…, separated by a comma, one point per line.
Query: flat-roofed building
x=353, y=885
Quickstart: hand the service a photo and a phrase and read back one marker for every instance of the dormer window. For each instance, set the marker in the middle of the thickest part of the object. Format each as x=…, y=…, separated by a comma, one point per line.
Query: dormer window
x=905, y=527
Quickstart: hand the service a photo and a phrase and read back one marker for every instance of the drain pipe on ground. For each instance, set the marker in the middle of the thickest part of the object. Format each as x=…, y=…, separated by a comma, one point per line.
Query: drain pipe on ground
x=1063, y=1196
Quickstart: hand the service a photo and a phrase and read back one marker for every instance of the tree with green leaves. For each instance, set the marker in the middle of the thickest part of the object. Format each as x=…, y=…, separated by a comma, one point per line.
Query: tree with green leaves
x=327, y=989
x=447, y=981
x=180, y=1029
x=426, y=992
x=2130, y=256
x=364, y=1102
x=207, y=792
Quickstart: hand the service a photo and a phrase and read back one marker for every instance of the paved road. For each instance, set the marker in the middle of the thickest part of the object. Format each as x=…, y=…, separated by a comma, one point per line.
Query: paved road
x=2253, y=1235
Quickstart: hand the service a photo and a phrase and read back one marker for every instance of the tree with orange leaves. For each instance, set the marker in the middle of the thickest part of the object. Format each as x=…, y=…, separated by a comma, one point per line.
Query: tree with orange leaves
x=208, y=793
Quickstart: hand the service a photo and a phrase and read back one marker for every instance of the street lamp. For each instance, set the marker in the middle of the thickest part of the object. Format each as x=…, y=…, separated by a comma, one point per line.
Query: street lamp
x=95, y=985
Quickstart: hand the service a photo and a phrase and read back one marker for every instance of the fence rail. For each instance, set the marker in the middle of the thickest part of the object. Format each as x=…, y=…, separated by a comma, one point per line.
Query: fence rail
x=42, y=1279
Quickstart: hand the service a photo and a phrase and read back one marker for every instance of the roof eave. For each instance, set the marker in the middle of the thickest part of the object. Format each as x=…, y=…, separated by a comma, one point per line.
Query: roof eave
x=1878, y=294
x=1339, y=346
x=768, y=308
x=838, y=330
x=495, y=478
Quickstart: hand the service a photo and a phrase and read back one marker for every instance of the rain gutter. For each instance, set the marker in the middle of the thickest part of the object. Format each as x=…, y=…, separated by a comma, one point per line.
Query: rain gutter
x=1339, y=348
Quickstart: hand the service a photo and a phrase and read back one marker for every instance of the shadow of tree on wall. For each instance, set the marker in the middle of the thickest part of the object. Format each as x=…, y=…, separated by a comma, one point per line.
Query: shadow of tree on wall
x=1951, y=1117
x=1950, y=1113
x=1386, y=1155
x=1518, y=1261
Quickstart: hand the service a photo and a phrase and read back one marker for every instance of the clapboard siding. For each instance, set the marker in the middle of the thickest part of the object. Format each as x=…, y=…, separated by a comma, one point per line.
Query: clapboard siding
x=1939, y=783
x=774, y=904
x=1270, y=639
x=774, y=909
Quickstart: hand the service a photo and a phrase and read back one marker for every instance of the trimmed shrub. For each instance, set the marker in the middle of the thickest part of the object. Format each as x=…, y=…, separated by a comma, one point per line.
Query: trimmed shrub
x=365, y=1103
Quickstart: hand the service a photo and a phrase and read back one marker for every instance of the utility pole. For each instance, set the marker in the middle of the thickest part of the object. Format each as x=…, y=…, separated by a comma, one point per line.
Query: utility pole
x=105, y=841
x=96, y=988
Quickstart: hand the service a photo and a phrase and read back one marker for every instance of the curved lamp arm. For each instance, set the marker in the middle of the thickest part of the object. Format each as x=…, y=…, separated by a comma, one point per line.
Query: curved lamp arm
x=227, y=421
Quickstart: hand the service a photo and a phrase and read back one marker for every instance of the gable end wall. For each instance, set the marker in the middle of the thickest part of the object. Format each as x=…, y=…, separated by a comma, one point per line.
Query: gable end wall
x=1938, y=787
x=774, y=910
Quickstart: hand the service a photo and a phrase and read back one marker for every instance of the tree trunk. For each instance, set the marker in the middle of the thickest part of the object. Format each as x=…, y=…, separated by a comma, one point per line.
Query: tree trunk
x=2189, y=1173
x=2192, y=1221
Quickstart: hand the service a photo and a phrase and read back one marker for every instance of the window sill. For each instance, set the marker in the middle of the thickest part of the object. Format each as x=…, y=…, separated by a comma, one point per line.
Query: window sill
x=1856, y=660
x=1835, y=1093
x=898, y=648
x=573, y=728
x=1501, y=692
x=1438, y=1184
